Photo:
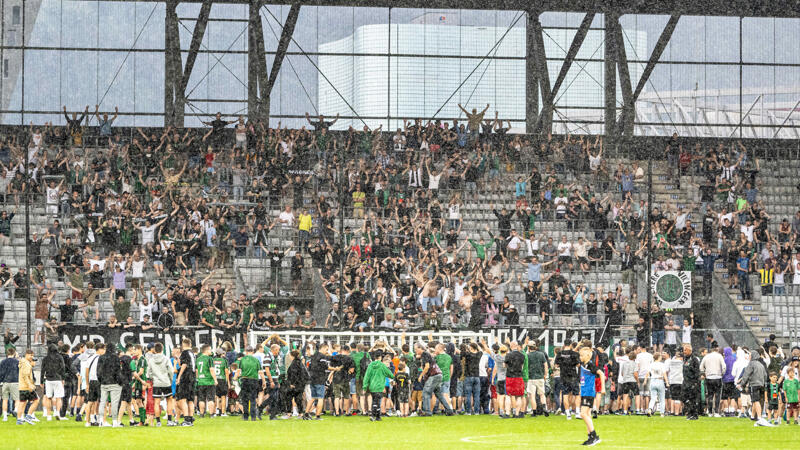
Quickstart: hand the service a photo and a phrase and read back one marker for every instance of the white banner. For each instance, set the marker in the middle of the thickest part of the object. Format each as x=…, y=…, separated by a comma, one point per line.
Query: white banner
x=672, y=288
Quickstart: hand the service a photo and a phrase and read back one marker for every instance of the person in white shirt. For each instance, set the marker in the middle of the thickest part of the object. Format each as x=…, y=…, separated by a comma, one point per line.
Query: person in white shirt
x=657, y=377
x=686, y=331
x=149, y=231
x=564, y=251
x=513, y=245
x=53, y=194
x=287, y=220
x=713, y=367
x=643, y=361
x=675, y=380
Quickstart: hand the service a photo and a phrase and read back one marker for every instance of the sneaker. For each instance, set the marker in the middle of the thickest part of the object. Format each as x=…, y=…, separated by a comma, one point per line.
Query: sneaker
x=172, y=423
x=117, y=425
x=87, y=424
x=717, y=415
x=5, y=418
x=569, y=416
x=49, y=418
x=158, y=424
x=187, y=424
x=592, y=440
x=21, y=422
x=33, y=418
x=78, y=418
x=106, y=424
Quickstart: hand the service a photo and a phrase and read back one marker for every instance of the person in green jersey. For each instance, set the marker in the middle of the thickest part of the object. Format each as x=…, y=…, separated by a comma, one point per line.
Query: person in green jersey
x=538, y=368
x=445, y=363
x=791, y=386
x=375, y=382
x=249, y=373
x=360, y=399
x=139, y=369
x=206, y=381
x=223, y=373
x=248, y=314
x=481, y=246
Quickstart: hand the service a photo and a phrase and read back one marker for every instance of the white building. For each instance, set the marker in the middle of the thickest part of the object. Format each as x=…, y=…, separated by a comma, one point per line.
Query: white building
x=420, y=86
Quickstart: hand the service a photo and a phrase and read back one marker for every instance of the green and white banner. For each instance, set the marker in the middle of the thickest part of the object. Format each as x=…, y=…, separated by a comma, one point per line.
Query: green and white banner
x=672, y=288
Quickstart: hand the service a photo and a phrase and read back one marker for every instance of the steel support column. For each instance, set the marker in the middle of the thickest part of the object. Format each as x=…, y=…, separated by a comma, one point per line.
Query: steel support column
x=629, y=104
x=539, y=59
x=577, y=41
x=531, y=73
x=610, y=74
x=176, y=77
x=256, y=62
x=280, y=54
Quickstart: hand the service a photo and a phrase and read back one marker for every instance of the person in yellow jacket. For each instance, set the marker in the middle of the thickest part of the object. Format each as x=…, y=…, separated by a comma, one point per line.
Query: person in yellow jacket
x=304, y=223
x=27, y=390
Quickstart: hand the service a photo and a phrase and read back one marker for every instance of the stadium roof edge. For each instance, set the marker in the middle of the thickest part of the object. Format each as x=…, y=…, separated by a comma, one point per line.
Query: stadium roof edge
x=733, y=8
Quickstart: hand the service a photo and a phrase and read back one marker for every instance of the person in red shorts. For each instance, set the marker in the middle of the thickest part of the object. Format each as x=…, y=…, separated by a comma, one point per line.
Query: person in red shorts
x=515, y=386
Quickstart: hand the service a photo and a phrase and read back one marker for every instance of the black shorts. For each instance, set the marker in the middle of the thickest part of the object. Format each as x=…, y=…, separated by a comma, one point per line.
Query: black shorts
x=729, y=391
x=630, y=388
x=222, y=389
x=773, y=406
x=28, y=396
x=82, y=393
x=501, y=387
x=675, y=392
x=206, y=393
x=757, y=394
x=126, y=395
x=162, y=392
x=94, y=392
x=402, y=394
x=571, y=386
x=185, y=391
x=587, y=401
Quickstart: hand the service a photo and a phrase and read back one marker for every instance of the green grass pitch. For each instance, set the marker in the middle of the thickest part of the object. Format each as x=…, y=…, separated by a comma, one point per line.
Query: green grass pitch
x=464, y=432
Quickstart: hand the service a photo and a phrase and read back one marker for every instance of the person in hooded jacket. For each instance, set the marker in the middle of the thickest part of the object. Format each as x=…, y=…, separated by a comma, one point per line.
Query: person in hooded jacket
x=296, y=380
x=109, y=376
x=53, y=373
x=159, y=368
x=730, y=395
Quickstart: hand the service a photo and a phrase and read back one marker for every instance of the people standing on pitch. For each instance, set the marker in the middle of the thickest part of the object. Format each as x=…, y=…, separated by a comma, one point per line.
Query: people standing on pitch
x=375, y=383
x=28, y=400
x=108, y=374
x=754, y=379
x=588, y=373
x=186, y=383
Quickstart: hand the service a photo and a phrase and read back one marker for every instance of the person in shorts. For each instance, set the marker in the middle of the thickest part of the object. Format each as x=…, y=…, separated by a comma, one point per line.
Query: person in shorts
x=402, y=387
x=790, y=386
x=416, y=395
x=27, y=390
x=9, y=383
x=588, y=373
x=773, y=399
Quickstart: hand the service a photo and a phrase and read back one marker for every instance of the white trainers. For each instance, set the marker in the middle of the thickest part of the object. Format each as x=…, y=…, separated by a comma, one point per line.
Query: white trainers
x=5, y=418
x=49, y=418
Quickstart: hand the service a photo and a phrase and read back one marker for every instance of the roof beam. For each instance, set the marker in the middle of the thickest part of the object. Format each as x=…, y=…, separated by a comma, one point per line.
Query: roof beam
x=197, y=38
x=577, y=41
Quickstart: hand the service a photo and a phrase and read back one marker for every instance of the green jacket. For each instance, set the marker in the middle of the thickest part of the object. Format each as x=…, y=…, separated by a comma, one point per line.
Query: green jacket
x=375, y=376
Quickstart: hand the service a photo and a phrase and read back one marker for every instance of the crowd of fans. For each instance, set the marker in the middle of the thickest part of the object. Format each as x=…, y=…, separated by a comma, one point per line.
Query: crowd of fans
x=142, y=224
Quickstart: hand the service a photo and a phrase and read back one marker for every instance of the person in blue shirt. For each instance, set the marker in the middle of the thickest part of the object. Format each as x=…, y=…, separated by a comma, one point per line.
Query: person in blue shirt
x=588, y=373
x=742, y=270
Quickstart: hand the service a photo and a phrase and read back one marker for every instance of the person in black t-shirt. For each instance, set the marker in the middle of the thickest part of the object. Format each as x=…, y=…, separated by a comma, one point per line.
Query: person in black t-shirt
x=318, y=370
x=471, y=359
x=344, y=370
x=567, y=361
x=515, y=387
x=185, y=383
